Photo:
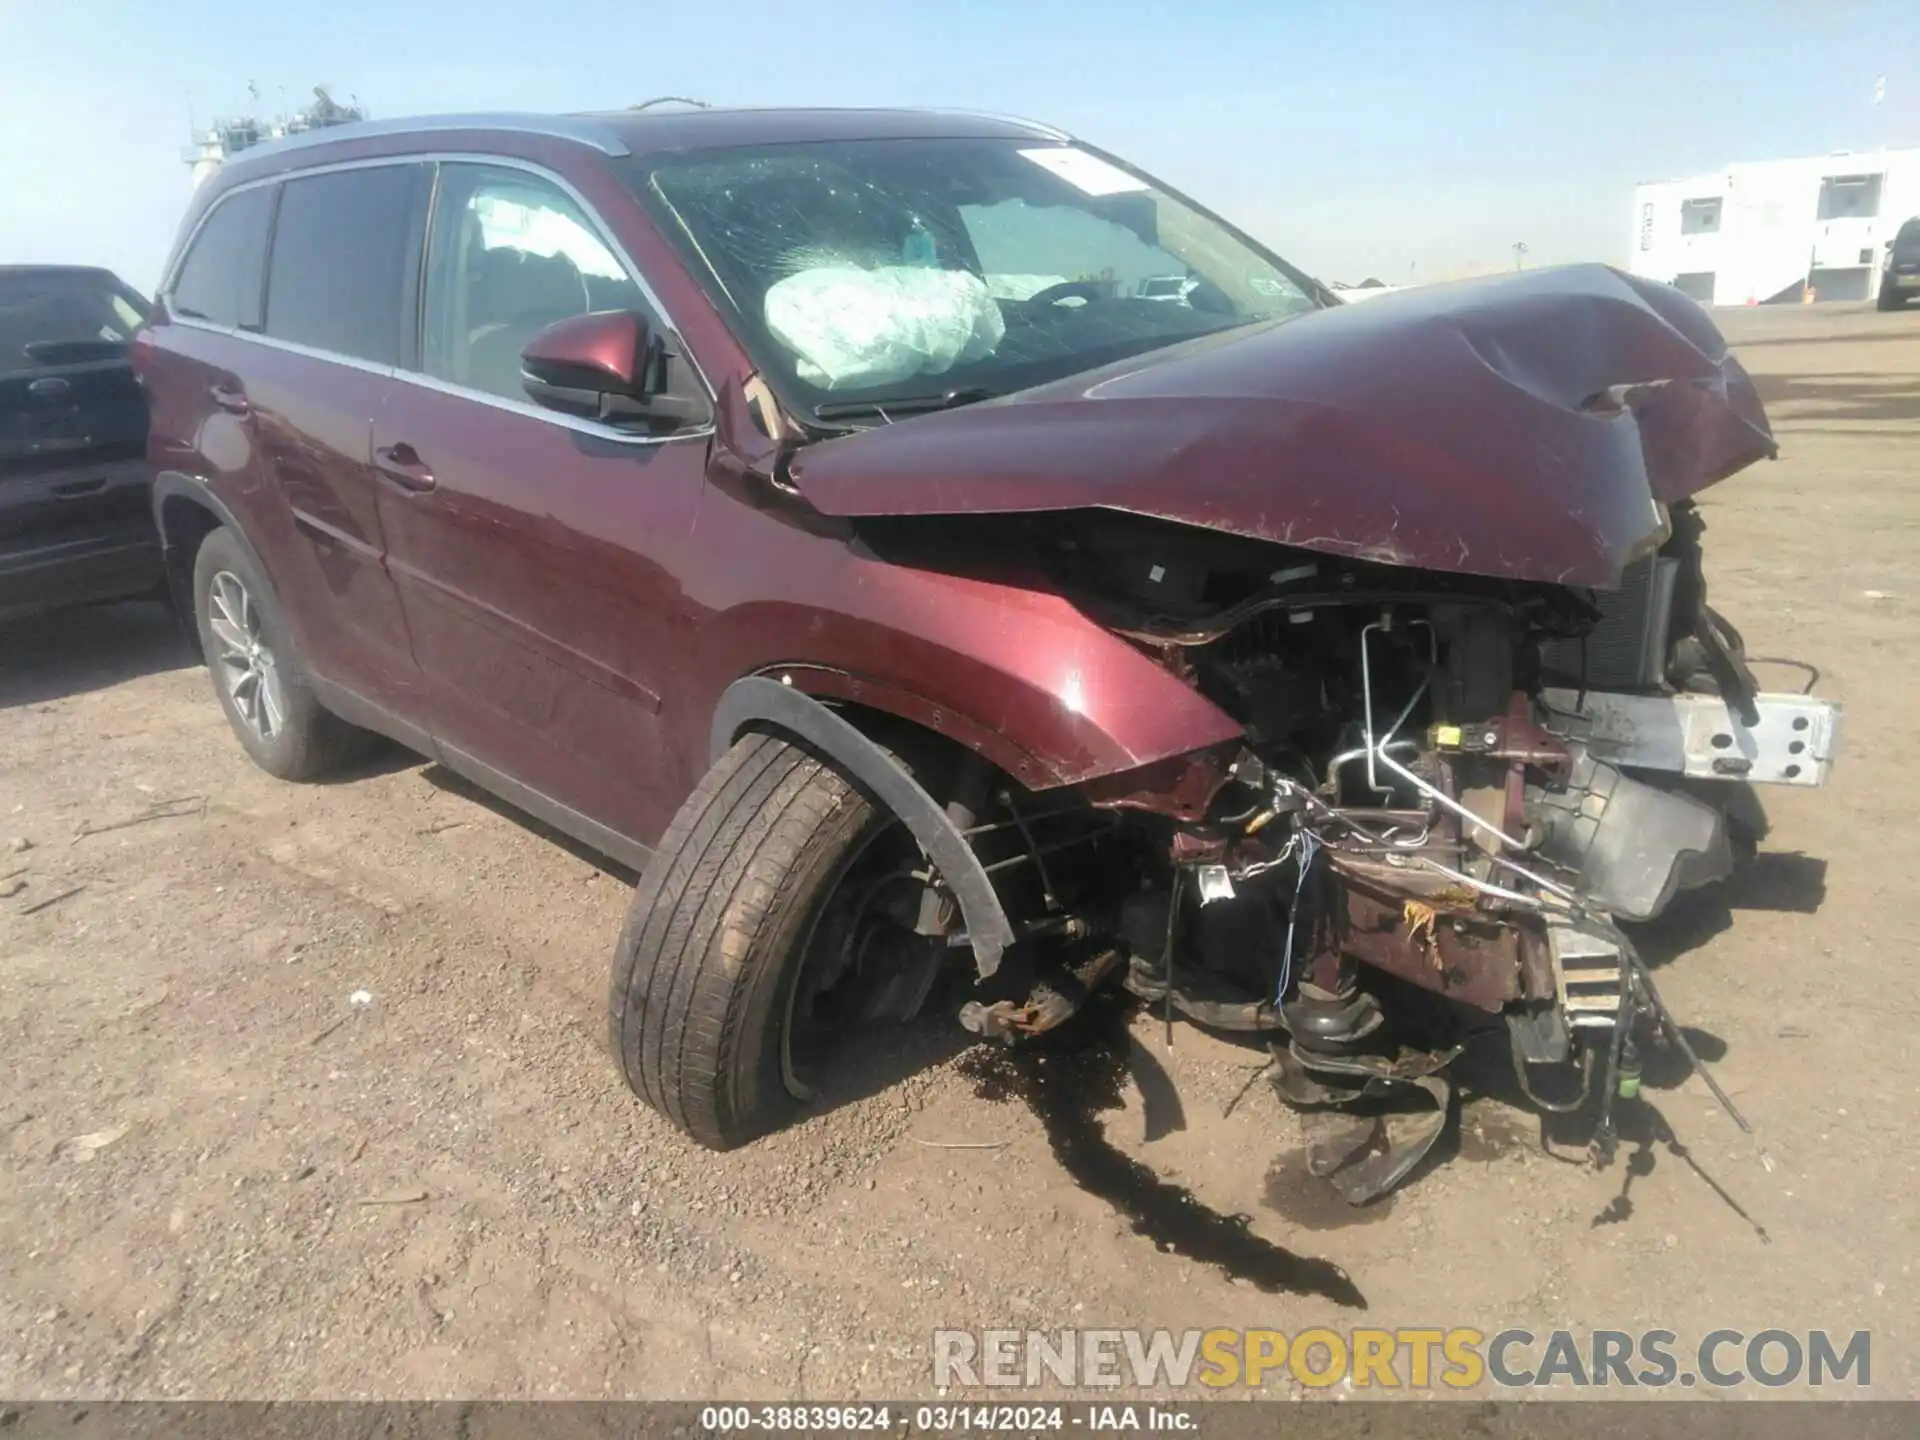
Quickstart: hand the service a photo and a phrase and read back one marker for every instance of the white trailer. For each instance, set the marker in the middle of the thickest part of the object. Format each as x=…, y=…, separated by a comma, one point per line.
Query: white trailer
x=1777, y=230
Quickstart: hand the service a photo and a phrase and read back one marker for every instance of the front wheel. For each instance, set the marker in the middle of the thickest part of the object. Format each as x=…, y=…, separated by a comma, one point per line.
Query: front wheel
x=720, y=964
x=1890, y=298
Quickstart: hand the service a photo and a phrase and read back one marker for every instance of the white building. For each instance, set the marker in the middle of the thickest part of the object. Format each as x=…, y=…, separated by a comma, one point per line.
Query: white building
x=217, y=144
x=1769, y=231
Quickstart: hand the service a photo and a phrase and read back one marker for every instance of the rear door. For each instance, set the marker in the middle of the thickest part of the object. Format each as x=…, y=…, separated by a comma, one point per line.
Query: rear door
x=536, y=553
x=73, y=424
x=209, y=304
x=338, y=296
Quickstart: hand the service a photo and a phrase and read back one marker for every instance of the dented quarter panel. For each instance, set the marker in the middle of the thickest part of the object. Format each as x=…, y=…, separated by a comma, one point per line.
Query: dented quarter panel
x=1523, y=427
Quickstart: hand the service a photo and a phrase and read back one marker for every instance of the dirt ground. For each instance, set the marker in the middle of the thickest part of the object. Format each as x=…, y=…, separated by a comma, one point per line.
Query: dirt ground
x=303, y=1090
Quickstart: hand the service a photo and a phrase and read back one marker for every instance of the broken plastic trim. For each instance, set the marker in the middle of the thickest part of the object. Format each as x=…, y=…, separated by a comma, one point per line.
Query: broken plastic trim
x=758, y=699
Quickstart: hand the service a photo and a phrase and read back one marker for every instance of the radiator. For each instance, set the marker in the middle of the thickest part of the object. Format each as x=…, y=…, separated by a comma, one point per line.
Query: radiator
x=1627, y=649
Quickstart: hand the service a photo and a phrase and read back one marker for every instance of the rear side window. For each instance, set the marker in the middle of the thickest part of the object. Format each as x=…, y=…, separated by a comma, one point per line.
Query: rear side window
x=219, y=280
x=339, y=267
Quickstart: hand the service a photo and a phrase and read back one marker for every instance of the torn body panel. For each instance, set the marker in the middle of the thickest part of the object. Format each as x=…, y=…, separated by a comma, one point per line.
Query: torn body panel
x=1416, y=835
x=1527, y=427
x=1288, y=649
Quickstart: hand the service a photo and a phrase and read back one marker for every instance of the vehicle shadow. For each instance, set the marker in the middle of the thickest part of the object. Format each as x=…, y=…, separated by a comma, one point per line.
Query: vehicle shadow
x=384, y=756
x=1847, y=396
x=880, y=1057
x=1782, y=881
x=1642, y=1126
x=455, y=784
x=69, y=652
x=1486, y=1074
x=1485, y=1071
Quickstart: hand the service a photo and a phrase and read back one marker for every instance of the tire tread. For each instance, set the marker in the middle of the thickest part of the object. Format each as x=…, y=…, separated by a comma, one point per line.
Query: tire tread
x=740, y=868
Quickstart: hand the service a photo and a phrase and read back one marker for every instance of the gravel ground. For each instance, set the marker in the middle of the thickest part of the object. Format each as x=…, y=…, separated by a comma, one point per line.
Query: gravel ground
x=305, y=1093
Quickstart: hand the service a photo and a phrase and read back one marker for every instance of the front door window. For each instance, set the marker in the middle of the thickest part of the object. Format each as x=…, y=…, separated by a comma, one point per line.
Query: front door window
x=512, y=254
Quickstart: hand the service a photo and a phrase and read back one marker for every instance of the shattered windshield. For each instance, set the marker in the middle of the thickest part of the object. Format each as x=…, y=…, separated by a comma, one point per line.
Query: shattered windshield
x=880, y=270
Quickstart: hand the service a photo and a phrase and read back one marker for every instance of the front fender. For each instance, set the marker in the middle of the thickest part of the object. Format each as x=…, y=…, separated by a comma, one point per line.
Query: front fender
x=1017, y=675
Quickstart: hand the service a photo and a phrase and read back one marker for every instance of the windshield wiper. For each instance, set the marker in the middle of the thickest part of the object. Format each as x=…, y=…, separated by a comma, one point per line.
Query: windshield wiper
x=904, y=405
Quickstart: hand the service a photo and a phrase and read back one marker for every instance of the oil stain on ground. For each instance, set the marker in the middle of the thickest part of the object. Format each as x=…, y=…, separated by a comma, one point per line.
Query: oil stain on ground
x=1073, y=1075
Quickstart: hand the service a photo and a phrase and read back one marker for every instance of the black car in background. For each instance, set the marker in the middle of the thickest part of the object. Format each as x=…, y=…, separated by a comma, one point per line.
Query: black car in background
x=75, y=521
x=1900, y=281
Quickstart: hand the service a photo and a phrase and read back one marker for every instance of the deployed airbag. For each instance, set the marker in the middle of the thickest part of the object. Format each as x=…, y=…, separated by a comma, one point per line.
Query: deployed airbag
x=853, y=328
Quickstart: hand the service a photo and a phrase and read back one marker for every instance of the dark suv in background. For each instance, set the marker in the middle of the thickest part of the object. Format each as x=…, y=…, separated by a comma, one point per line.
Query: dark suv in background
x=1900, y=278
x=813, y=510
x=76, y=524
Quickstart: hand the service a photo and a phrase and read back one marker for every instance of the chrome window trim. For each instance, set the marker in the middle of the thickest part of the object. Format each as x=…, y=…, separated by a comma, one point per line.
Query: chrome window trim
x=447, y=387
x=538, y=412
x=292, y=347
x=420, y=378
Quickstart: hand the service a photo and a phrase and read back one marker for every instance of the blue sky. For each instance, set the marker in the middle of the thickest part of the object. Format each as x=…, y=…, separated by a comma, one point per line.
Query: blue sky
x=1395, y=139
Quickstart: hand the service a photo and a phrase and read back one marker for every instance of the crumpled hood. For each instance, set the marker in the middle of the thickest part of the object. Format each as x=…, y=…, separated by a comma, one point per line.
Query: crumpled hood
x=1472, y=427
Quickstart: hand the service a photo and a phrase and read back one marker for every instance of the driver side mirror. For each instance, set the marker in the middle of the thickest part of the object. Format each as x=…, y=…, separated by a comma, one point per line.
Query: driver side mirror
x=608, y=366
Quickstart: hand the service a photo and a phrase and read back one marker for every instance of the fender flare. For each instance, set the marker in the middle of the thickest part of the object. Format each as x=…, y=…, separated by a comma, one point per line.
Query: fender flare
x=756, y=698
x=178, y=484
x=169, y=484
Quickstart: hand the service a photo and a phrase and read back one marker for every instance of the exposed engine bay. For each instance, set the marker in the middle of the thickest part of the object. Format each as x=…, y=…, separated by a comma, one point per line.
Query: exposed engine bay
x=1434, y=565
x=1455, y=796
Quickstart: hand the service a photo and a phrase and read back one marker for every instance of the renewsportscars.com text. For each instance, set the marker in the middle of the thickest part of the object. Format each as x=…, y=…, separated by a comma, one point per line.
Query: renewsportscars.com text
x=1416, y=1359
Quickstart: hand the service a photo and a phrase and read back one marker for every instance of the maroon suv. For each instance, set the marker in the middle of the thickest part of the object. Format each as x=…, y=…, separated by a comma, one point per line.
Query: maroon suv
x=919, y=541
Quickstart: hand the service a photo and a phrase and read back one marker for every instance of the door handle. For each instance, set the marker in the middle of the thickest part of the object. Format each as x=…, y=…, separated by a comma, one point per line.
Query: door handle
x=402, y=464
x=230, y=398
x=78, y=489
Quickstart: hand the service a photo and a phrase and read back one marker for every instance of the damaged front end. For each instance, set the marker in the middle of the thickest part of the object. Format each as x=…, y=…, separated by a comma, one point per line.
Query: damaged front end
x=1450, y=787
x=1439, y=559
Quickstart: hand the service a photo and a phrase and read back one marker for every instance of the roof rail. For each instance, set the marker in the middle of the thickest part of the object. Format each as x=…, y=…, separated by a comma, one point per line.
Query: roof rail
x=586, y=130
x=1042, y=126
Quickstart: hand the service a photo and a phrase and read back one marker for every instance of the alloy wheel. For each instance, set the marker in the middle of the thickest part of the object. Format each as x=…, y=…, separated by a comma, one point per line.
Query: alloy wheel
x=245, y=662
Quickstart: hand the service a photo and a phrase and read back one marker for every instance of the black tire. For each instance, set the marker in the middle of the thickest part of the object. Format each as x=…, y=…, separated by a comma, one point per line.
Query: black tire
x=310, y=741
x=1890, y=298
x=706, y=969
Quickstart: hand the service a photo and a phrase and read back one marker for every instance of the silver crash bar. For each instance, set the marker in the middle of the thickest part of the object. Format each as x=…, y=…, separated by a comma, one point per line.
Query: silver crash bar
x=1697, y=735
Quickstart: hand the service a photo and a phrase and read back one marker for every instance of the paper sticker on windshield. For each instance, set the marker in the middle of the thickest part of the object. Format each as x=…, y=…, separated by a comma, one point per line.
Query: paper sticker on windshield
x=1085, y=172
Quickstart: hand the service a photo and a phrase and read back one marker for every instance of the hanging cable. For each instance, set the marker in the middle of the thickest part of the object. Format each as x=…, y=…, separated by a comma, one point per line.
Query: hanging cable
x=1309, y=848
